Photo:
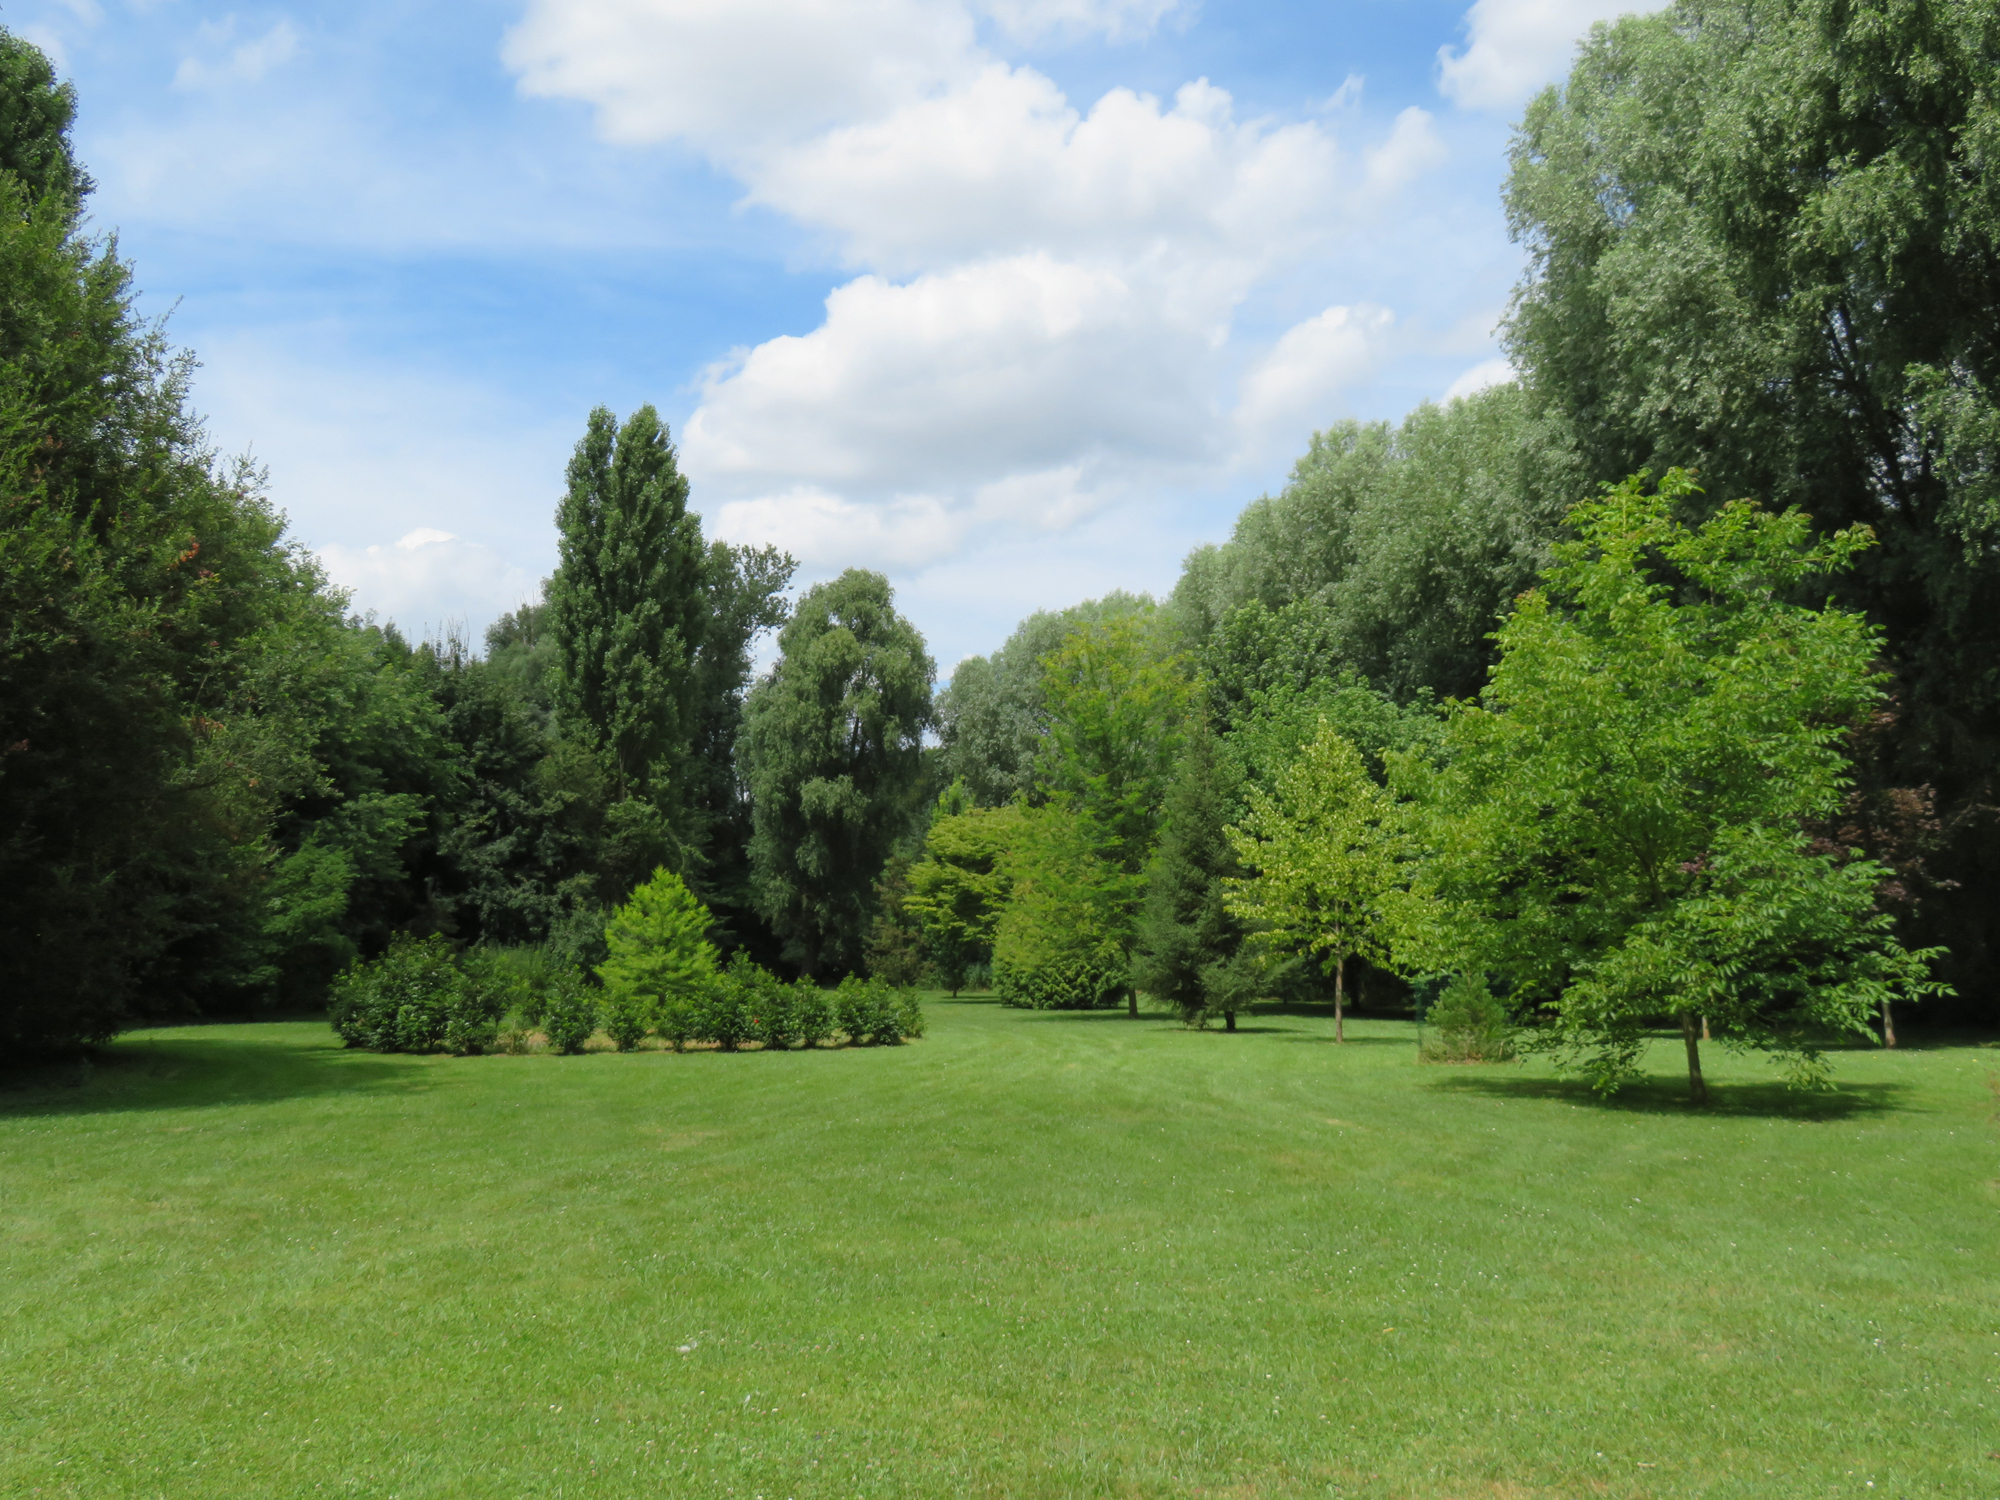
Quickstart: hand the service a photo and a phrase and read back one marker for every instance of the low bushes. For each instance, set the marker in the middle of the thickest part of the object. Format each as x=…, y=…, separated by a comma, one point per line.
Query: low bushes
x=1080, y=982
x=421, y=996
x=1468, y=1023
x=417, y=997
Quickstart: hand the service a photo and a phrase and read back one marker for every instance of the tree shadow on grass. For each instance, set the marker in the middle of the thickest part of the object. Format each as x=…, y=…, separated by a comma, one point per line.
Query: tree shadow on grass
x=146, y=1073
x=1663, y=1096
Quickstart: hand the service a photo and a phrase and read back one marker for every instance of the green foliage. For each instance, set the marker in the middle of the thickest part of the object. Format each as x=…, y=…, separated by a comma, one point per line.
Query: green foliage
x=1117, y=702
x=993, y=715
x=1468, y=1023
x=727, y=1016
x=659, y=956
x=1760, y=240
x=957, y=891
x=35, y=116
x=1188, y=941
x=1325, y=850
x=1617, y=829
x=873, y=1013
x=1089, y=980
x=832, y=744
x=156, y=638
x=895, y=951
x=626, y=606
x=1396, y=548
x=812, y=1012
x=771, y=1003
x=416, y=997
x=570, y=1014
x=1063, y=938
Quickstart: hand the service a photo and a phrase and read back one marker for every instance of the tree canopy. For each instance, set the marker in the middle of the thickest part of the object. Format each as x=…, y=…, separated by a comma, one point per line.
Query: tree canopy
x=1618, y=824
x=1761, y=240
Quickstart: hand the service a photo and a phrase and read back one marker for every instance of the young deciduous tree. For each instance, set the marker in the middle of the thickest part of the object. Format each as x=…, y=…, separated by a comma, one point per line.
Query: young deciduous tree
x=1618, y=830
x=1324, y=846
x=1760, y=237
x=832, y=746
x=959, y=888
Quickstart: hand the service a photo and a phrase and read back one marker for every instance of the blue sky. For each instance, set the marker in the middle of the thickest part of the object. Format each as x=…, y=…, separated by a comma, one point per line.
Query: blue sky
x=1014, y=300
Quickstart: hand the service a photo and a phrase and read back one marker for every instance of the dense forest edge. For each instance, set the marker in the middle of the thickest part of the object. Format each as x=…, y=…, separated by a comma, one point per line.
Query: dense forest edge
x=1659, y=686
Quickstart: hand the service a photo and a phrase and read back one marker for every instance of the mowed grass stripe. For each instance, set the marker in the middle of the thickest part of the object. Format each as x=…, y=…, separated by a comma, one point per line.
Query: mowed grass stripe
x=1030, y=1255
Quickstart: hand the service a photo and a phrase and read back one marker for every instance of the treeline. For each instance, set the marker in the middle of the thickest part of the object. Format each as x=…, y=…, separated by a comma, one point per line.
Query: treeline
x=219, y=790
x=1461, y=709
x=1762, y=243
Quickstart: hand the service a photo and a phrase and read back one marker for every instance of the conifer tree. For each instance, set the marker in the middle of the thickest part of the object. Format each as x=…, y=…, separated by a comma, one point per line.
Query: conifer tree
x=1189, y=942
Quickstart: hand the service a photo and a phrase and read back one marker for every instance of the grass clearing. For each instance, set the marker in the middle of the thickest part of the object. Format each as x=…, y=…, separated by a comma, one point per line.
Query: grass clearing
x=1033, y=1254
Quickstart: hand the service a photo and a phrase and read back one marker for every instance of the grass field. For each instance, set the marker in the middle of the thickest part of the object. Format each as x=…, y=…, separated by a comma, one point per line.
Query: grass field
x=1031, y=1255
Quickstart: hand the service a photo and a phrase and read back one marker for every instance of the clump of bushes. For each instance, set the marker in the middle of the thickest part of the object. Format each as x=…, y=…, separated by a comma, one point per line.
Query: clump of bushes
x=662, y=979
x=417, y=997
x=1468, y=1023
x=1077, y=982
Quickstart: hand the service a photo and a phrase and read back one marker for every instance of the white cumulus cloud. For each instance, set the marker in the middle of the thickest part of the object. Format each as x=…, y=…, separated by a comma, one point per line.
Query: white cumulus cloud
x=429, y=580
x=1045, y=321
x=1298, y=385
x=1514, y=47
x=1482, y=376
x=736, y=75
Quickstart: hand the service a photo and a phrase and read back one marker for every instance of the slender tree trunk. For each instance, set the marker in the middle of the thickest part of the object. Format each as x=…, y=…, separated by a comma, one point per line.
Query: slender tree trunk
x=1888, y=1025
x=1340, y=1001
x=1697, y=1090
x=1704, y=1029
x=1229, y=1020
x=1131, y=1002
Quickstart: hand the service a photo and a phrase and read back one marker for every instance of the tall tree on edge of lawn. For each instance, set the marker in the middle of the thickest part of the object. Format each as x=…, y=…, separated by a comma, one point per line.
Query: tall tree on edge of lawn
x=832, y=748
x=627, y=608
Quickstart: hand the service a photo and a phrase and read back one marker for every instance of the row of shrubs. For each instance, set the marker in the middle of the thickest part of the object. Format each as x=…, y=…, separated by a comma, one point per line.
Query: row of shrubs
x=424, y=996
x=1082, y=982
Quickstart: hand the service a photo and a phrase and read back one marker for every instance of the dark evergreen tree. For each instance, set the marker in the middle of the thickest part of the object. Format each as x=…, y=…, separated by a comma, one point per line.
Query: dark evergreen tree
x=833, y=753
x=158, y=640
x=1189, y=950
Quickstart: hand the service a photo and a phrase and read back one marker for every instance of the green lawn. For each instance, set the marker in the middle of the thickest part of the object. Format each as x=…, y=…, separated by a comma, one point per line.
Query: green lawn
x=1030, y=1255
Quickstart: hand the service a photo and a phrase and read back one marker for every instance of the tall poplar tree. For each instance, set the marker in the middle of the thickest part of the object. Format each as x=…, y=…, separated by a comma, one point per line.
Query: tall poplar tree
x=627, y=609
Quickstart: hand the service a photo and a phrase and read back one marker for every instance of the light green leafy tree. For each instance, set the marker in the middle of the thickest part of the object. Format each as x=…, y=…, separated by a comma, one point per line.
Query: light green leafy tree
x=1616, y=830
x=958, y=890
x=660, y=956
x=993, y=715
x=1760, y=238
x=1116, y=699
x=1064, y=937
x=1324, y=845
